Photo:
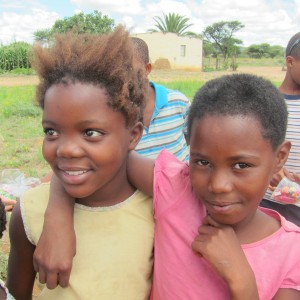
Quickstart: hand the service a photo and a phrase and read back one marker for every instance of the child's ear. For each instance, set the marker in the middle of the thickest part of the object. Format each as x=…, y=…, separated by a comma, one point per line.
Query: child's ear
x=282, y=154
x=136, y=133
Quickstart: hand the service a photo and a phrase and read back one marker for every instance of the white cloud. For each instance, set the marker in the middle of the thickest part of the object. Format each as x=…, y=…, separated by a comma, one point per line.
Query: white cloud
x=130, y=7
x=20, y=27
x=266, y=21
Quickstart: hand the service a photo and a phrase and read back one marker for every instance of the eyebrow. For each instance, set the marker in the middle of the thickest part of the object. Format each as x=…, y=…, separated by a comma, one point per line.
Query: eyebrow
x=234, y=158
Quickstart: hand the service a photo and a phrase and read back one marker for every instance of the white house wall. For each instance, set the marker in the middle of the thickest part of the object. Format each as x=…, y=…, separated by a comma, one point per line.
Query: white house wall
x=168, y=45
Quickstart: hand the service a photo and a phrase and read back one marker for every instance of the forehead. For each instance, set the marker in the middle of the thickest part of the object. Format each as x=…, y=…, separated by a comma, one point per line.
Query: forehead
x=78, y=101
x=224, y=132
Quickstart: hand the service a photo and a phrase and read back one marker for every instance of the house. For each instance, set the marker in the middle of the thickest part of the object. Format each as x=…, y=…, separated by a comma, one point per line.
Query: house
x=181, y=52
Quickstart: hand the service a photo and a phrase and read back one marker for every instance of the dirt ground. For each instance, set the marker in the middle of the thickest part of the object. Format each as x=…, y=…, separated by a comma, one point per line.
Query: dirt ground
x=273, y=73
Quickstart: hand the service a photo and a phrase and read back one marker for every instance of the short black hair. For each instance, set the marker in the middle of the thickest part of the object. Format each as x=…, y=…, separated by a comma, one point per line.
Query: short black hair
x=105, y=61
x=244, y=95
x=140, y=49
x=293, y=46
x=2, y=218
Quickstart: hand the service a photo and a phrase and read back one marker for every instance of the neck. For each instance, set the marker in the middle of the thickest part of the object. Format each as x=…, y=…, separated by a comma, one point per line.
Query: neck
x=256, y=228
x=289, y=86
x=150, y=104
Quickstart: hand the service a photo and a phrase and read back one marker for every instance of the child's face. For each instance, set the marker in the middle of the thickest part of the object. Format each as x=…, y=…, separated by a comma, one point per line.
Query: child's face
x=86, y=143
x=231, y=165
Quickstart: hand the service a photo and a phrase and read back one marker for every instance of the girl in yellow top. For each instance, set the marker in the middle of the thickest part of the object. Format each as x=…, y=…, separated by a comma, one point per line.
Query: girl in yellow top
x=92, y=102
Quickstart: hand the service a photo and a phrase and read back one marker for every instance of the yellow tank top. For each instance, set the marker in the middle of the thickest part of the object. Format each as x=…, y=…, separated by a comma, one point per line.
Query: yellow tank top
x=114, y=254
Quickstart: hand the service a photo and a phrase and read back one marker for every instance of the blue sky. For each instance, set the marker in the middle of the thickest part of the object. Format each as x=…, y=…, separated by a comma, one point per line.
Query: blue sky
x=266, y=21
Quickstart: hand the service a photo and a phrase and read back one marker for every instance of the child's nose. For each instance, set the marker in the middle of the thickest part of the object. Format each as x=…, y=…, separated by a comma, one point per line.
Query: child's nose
x=219, y=182
x=69, y=149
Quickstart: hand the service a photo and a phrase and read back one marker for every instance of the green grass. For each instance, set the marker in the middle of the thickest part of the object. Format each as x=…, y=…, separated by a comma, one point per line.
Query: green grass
x=189, y=88
x=20, y=131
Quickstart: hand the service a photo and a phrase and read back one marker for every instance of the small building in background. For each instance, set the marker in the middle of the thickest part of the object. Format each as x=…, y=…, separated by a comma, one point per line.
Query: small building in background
x=169, y=50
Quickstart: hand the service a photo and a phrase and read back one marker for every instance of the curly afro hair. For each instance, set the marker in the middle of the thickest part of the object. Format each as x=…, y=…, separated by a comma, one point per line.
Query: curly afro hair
x=101, y=60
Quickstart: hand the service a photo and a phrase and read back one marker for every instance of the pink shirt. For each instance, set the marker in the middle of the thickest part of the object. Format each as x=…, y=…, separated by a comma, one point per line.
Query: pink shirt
x=181, y=274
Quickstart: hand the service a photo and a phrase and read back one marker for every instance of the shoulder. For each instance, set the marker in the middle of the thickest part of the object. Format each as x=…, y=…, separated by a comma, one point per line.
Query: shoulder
x=286, y=225
x=171, y=95
x=170, y=164
x=35, y=199
x=291, y=97
x=170, y=174
x=33, y=204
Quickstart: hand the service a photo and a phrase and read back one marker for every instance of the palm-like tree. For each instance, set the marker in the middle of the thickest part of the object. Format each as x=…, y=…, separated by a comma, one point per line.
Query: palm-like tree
x=172, y=23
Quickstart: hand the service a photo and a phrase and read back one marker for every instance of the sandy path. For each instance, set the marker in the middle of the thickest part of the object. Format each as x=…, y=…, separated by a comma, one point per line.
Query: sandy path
x=272, y=73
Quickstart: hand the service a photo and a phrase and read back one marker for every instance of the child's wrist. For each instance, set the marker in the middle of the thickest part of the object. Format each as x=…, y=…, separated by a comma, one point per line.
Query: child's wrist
x=244, y=287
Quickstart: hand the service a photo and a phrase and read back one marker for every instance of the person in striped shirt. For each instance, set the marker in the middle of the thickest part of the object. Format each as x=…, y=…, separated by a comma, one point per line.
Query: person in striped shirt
x=165, y=113
x=290, y=88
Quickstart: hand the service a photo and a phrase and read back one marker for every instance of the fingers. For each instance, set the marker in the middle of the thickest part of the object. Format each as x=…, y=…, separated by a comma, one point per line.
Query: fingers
x=9, y=203
x=50, y=279
x=296, y=177
x=208, y=220
x=9, y=208
x=54, y=276
x=272, y=188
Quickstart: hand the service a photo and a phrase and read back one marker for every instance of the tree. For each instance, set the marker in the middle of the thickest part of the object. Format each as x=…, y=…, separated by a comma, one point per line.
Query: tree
x=42, y=35
x=221, y=34
x=264, y=50
x=173, y=23
x=80, y=23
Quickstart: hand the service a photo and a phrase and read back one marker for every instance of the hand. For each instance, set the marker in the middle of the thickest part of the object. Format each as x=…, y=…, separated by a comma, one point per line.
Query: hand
x=54, y=255
x=295, y=177
x=220, y=247
x=9, y=203
x=277, y=177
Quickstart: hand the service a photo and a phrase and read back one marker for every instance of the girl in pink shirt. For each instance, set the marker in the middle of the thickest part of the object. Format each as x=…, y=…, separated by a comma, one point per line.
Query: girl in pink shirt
x=211, y=239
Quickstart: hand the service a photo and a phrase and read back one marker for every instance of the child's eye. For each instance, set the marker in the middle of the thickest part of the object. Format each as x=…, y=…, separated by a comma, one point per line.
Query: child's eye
x=92, y=133
x=50, y=132
x=241, y=166
x=202, y=162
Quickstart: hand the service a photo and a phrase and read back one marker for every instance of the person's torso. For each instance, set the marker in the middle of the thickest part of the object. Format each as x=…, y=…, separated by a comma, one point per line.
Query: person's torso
x=181, y=274
x=167, y=126
x=113, y=248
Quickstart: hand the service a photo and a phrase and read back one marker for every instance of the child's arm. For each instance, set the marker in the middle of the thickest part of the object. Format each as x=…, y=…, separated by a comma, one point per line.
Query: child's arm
x=140, y=172
x=57, y=245
x=287, y=294
x=219, y=245
x=21, y=274
x=9, y=203
x=295, y=177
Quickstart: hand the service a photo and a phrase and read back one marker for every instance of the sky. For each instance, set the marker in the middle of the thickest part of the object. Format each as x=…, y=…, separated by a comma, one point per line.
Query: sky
x=266, y=21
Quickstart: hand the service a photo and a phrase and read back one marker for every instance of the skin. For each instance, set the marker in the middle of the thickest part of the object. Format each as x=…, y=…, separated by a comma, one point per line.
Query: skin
x=291, y=82
x=150, y=99
x=224, y=177
x=87, y=151
x=224, y=168
x=230, y=173
x=2, y=294
x=9, y=203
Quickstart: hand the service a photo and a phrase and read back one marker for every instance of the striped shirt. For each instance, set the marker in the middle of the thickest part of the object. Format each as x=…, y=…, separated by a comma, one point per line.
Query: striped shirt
x=167, y=125
x=292, y=135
